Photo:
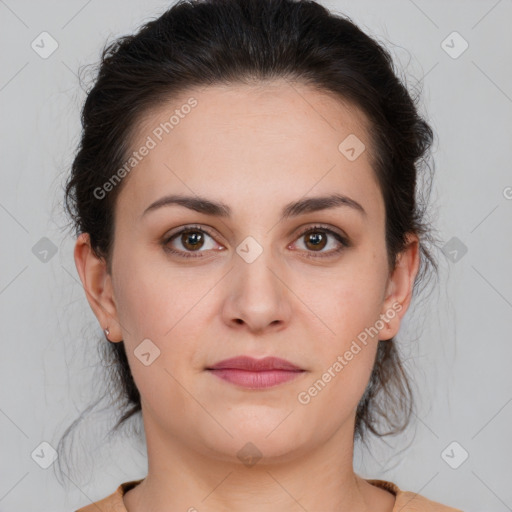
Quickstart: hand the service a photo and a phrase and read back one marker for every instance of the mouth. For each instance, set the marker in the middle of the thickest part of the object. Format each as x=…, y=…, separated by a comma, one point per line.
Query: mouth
x=254, y=373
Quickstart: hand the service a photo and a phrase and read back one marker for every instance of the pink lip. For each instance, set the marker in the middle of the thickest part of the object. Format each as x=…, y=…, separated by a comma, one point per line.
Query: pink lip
x=255, y=373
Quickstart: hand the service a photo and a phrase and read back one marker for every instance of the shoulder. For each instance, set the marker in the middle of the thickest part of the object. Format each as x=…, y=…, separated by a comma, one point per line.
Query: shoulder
x=113, y=502
x=415, y=502
x=411, y=501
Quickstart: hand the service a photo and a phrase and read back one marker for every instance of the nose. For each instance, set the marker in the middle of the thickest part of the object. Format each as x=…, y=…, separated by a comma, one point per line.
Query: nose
x=257, y=297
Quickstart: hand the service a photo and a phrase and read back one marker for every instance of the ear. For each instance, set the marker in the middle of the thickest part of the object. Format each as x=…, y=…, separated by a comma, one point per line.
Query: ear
x=97, y=283
x=400, y=287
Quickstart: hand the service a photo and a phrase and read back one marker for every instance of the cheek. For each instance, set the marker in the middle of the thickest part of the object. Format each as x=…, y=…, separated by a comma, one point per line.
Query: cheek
x=152, y=298
x=157, y=333
x=346, y=354
x=348, y=303
x=164, y=306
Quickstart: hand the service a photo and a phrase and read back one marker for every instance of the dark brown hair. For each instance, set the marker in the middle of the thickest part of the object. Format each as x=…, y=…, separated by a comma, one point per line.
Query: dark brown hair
x=204, y=42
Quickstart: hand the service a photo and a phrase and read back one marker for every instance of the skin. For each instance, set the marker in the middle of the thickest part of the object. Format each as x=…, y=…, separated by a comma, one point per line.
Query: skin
x=255, y=148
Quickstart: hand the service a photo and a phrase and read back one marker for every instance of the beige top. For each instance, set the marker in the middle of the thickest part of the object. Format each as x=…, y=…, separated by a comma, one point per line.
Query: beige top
x=414, y=502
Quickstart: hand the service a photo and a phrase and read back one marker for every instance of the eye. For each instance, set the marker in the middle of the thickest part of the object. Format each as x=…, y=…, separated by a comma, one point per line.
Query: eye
x=191, y=239
x=194, y=238
x=317, y=238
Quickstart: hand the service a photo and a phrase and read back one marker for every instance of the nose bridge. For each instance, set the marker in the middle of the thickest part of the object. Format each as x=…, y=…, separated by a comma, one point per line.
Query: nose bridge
x=257, y=294
x=255, y=263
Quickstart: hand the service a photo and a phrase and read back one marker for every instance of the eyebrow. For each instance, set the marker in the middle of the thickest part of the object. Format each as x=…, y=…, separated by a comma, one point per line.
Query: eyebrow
x=293, y=209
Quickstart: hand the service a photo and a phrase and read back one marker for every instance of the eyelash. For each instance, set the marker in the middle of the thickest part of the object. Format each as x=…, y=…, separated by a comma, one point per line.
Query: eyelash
x=344, y=243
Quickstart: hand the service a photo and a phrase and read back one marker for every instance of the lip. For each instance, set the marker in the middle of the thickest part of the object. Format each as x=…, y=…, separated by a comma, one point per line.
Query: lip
x=254, y=365
x=254, y=373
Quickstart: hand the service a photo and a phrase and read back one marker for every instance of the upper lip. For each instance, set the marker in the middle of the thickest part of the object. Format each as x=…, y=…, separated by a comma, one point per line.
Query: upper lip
x=255, y=365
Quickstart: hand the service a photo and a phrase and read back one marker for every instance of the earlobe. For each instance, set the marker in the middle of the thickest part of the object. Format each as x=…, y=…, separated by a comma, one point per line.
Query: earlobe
x=97, y=284
x=400, y=287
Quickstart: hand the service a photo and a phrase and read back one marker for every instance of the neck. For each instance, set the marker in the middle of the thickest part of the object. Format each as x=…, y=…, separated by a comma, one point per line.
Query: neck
x=180, y=477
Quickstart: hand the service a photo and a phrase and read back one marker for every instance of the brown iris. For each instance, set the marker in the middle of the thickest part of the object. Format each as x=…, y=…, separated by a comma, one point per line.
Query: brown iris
x=192, y=239
x=315, y=237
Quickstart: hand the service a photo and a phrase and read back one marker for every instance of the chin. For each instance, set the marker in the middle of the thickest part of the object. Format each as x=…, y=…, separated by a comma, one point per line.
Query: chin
x=258, y=443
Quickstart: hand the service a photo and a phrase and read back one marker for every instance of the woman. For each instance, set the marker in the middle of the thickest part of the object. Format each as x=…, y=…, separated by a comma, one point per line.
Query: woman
x=250, y=240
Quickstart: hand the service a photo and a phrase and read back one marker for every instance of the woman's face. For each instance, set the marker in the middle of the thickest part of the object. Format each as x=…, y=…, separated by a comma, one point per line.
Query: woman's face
x=263, y=279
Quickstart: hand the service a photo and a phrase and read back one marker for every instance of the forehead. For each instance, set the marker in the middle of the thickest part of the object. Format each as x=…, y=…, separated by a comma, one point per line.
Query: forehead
x=276, y=141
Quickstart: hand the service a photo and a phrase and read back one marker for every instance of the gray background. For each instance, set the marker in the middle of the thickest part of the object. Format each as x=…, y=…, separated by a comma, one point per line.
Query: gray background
x=457, y=343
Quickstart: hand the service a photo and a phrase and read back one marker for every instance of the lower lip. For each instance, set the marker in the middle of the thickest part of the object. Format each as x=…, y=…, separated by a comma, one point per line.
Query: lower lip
x=256, y=380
